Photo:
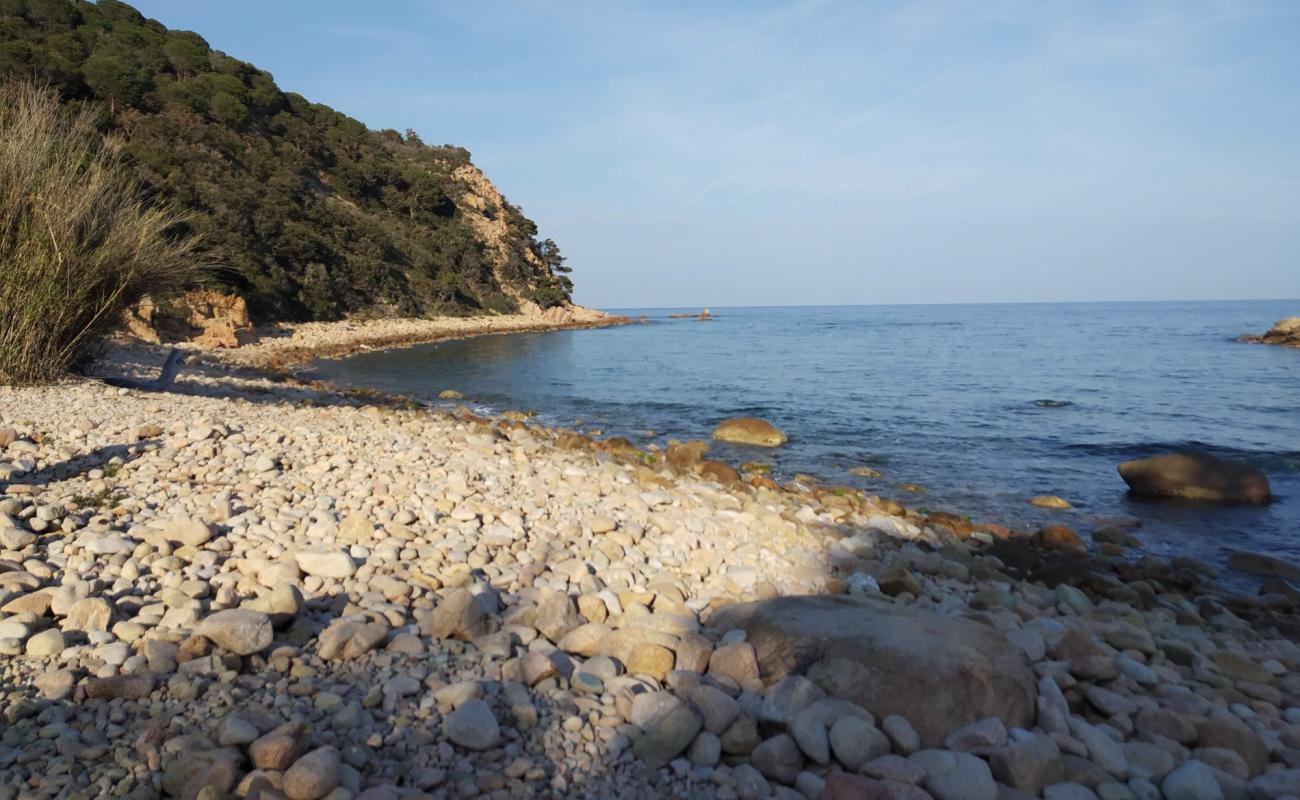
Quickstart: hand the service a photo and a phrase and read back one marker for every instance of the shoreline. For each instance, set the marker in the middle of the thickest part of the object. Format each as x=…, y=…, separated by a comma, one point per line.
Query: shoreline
x=283, y=345
x=434, y=604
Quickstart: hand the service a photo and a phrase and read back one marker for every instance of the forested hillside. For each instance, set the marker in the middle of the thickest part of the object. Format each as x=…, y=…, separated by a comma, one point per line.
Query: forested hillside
x=310, y=214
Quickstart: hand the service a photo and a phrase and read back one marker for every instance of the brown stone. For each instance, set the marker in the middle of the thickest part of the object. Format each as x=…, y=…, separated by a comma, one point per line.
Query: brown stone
x=128, y=687
x=736, y=661
x=1197, y=476
x=568, y=440
x=959, y=525
x=718, y=471
x=654, y=660
x=281, y=747
x=686, y=455
x=846, y=786
x=749, y=430
x=1058, y=537
x=1233, y=734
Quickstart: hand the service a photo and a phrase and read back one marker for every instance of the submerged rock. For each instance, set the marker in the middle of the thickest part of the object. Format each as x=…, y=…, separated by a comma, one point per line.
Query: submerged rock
x=938, y=672
x=1050, y=501
x=1196, y=476
x=1262, y=564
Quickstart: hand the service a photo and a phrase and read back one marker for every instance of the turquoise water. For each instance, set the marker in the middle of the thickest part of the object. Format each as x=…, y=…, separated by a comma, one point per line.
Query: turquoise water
x=941, y=396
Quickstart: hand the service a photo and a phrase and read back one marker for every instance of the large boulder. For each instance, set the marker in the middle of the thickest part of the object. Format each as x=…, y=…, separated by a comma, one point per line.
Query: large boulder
x=749, y=430
x=1195, y=475
x=938, y=672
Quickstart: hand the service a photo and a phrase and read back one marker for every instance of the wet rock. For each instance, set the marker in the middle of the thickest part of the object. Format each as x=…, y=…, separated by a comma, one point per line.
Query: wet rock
x=1262, y=564
x=1196, y=476
x=1050, y=501
x=749, y=430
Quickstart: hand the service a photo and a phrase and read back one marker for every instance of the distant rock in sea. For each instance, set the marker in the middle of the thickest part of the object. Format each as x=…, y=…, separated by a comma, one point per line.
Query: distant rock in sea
x=1052, y=403
x=1284, y=332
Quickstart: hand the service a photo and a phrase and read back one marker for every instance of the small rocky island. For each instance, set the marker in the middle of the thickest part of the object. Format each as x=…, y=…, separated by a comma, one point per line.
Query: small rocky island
x=1284, y=332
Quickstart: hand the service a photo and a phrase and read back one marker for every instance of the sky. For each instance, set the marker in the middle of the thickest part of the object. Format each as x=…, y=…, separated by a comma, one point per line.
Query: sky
x=839, y=151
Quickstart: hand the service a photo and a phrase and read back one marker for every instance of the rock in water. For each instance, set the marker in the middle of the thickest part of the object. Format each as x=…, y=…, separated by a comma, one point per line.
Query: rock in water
x=1050, y=501
x=938, y=672
x=1196, y=476
x=1284, y=331
x=1262, y=564
x=749, y=430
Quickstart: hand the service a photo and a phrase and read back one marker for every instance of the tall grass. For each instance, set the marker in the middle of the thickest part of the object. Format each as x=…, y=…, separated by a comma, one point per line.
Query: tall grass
x=78, y=242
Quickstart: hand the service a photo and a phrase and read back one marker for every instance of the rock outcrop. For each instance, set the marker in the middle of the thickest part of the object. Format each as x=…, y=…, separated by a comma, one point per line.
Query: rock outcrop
x=205, y=317
x=1196, y=476
x=1284, y=332
x=937, y=671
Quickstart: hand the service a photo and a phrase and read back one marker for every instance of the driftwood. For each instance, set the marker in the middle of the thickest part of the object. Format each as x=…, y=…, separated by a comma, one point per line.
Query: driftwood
x=159, y=384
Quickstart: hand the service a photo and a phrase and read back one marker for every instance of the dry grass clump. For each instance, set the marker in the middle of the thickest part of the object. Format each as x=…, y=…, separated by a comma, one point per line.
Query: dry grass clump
x=78, y=242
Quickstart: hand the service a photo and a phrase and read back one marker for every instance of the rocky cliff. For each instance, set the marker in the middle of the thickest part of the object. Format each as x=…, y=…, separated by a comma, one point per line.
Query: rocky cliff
x=1284, y=332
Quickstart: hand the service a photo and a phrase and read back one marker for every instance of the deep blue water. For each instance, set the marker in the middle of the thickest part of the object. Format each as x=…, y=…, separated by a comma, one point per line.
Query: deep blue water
x=942, y=396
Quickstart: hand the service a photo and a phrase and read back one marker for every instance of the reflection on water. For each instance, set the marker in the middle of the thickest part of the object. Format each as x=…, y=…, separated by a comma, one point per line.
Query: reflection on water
x=945, y=396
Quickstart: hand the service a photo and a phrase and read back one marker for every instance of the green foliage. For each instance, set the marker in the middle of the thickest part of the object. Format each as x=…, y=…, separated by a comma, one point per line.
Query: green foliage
x=77, y=244
x=227, y=108
x=310, y=214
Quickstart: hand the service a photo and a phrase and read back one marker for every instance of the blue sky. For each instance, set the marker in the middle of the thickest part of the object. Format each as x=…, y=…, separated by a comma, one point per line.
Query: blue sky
x=840, y=151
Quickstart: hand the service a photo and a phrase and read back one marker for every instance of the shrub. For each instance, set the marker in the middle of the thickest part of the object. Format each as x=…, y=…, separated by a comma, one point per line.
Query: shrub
x=78, y=243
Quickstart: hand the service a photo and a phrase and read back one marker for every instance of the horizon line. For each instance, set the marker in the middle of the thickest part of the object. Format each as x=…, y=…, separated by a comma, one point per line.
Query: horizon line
x=702, y=306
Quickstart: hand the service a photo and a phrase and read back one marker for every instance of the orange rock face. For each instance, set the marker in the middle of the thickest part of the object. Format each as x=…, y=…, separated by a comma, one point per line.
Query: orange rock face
x=206, y=317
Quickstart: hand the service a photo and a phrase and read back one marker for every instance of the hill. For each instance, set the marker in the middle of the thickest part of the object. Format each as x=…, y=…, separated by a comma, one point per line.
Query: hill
x=312, y=215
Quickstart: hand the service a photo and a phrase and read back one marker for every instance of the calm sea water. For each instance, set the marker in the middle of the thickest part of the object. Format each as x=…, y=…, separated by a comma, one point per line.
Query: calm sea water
x=941, y=396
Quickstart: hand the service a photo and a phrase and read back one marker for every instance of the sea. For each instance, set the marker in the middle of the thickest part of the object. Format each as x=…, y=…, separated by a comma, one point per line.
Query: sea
x=980, y=407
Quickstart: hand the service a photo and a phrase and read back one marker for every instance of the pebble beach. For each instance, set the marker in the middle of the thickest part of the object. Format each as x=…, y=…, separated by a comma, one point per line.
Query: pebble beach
x=249, y=586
